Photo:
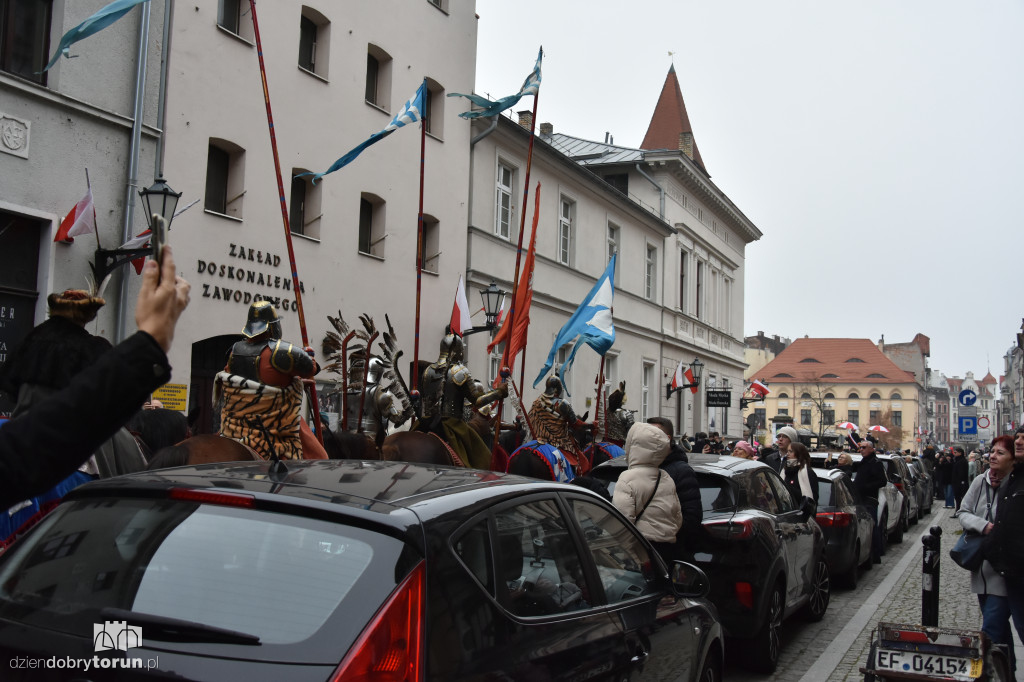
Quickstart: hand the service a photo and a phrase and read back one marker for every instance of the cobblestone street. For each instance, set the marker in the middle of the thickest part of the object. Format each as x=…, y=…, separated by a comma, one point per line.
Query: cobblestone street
x=835, y=648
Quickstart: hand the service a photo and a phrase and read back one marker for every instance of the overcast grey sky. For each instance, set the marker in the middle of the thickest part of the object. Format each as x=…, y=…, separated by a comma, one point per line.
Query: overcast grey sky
x=878, y=145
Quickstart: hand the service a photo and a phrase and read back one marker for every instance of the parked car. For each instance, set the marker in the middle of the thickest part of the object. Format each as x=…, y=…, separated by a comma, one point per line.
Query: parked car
x=923, y=481
x=335, y=570
x=765, y=556
x=898, y=472
x=889, y=498
x=847, y=525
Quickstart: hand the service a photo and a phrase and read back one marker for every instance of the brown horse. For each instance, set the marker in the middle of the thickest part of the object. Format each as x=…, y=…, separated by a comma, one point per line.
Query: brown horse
x=202, y=449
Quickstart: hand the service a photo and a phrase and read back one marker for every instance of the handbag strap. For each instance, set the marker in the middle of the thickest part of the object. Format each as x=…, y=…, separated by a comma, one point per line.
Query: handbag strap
x=650, y=499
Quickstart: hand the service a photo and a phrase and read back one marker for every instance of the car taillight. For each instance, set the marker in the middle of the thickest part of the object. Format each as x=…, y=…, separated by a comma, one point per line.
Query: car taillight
x=729, y=530
x=834, y=519
x=744, y=594
x=390, y=648
x=211, y=497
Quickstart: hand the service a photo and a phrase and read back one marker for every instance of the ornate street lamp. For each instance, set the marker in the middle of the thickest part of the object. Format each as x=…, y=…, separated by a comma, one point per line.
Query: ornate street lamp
x=492, y=298
x=157, y=199
x=696, y=369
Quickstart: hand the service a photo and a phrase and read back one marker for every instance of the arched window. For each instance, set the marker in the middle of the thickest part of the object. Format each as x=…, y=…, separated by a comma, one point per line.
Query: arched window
x=853, y=396
x=829, y=376
x=782, y=396
x=805, y=396
x=895, y=396
x=829, y=396
x=875, y=396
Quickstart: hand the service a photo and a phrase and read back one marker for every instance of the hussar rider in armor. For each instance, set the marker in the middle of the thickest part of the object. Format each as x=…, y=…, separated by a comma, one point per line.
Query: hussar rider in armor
x=446, y=388
x=552, y=418
x=260, y=390
x=619, y=418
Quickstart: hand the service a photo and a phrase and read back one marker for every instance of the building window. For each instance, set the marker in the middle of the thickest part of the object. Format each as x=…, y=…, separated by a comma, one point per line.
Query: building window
x=378, y=77
x=611, y=371
x=503, y=210
x=25, y=38
x=805, y=417
x=433, y=114
x=430, y=252
x=874, y=396
x=873, y=417
x=646, y=382
x=650, y=272
x=618, y=181
x=440, y=4
x=853, y=416
x=232, y=16
x=784, y=410
x=314, y=41
x=895, y=396
x=494, y=365
x=562, y=356
x=828, y=417
x=897, y=419
x=371, y=225
x=853, y=396
x=566, y=218
x=727, y=306
x=699, y=310
x=304, y=208
x=683, y=258
x=225, y=178
x=783, y=395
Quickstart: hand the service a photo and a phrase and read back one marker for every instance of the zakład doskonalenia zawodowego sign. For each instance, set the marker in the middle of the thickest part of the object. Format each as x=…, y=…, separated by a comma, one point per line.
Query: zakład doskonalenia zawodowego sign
x=248, y=281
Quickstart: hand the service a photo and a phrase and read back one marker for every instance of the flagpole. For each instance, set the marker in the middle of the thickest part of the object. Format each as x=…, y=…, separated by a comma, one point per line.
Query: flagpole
x=284, y=217
x=419, y=255
x=96, y=225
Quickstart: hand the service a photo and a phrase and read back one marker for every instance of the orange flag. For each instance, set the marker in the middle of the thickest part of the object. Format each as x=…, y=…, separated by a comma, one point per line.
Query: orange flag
x=515, y=333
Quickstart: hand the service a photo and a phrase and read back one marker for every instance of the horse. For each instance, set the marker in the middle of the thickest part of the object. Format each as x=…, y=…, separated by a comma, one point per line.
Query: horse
x=202, y=449
x=599, y=453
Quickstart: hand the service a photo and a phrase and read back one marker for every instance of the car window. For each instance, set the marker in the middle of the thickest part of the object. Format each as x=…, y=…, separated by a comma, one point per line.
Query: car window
x=760, y=494
x=844, y=497
x=277, y=576
x=474, y=549
x=825, y=496
x=785, y=498
x=623, y=563
x=538, y=561
x=715, y=493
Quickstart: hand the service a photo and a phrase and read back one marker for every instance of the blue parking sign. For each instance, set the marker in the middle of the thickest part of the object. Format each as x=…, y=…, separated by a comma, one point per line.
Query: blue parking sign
x=968, y=425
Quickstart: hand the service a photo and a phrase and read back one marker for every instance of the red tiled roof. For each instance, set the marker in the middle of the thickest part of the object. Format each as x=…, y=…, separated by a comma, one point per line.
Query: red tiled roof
x=989, y=379
x=852, y=361
x=670, y=119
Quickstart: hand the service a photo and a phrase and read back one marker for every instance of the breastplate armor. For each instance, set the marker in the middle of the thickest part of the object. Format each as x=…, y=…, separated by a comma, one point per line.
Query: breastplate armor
x=245, y=359
x=372, y=421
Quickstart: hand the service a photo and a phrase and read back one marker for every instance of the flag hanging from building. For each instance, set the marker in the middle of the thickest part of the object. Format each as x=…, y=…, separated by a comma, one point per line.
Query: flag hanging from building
x=531, y=86
x=460, y=311
x=411, y=112
x=140, y=241
x=759, y=389
x=94, y=24
x=592, y=323
x=80, y=220
x=683, y=377
x=515, y=334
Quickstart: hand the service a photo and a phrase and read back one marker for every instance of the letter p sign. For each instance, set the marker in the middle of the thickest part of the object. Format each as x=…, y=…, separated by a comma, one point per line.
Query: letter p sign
x=968, y=425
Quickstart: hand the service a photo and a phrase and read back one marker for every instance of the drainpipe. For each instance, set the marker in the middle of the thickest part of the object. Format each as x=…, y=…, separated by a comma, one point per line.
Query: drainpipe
x=661, y=190
x=469, y=199
x=133, y=164
x=161, y=107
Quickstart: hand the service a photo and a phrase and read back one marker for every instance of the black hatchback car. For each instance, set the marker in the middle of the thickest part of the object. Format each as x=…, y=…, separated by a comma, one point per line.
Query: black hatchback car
x=847, y=526
x=343, y=570
x=765, y=556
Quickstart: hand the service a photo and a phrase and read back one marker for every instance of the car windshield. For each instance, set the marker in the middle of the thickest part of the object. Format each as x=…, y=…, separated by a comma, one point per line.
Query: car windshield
x=275, y=576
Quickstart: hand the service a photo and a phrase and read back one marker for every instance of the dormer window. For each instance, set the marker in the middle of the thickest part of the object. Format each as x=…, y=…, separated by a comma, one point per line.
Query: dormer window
x=855, y=360
x=811, y=360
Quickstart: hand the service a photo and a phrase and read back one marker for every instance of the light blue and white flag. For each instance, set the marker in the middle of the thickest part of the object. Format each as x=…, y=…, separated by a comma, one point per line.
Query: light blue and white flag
x=530, y=87
x=94, y=24
x=592, y=323
x=411, y=112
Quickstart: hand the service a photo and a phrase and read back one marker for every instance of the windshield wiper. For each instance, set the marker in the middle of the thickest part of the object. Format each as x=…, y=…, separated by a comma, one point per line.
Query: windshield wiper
x=165, y=629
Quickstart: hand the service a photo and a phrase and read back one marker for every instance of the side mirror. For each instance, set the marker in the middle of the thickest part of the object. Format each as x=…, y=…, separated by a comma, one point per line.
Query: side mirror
x=689, y=581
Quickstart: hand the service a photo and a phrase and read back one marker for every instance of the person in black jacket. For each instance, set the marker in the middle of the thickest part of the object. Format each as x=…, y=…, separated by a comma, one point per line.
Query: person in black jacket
x=869, y=480
x=1004, y=545
x=961, y=480
x=799, y=476
x=44, y=446
x=687, y=488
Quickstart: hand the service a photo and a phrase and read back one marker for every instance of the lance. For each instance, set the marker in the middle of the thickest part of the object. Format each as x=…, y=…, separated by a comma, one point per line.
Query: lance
x=284, y=217
x=419, y=258
x=510, y=319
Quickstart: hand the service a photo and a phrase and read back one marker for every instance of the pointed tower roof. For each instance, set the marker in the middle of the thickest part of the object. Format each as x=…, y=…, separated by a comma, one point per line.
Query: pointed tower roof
x=670, y=126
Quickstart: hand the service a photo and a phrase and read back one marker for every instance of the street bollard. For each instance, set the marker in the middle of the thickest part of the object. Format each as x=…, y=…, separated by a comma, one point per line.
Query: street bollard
x=930, y=577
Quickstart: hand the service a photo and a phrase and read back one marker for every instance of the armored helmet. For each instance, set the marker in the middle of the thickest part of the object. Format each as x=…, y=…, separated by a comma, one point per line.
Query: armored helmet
x=553, y=386
x=262, y=317
x=451, y=348
x=374, y=370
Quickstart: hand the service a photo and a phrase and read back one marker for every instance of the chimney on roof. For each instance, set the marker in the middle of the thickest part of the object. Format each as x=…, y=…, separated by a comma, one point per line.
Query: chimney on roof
x=686, y=144
x=526, y=119
x=547, y=130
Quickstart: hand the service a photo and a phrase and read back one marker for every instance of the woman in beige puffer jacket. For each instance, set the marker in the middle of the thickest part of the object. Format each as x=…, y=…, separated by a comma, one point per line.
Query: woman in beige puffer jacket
x=646, y=448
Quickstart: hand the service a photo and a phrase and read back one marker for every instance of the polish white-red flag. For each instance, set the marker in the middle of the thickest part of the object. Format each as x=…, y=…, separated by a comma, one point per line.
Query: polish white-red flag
x=140, y=241
x=80, y=220
x=460, y=311
x=759, y=389
x=682, y=377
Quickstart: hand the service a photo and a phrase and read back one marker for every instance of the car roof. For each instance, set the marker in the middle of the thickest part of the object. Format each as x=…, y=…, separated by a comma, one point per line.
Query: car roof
x=828, y=473
x=707, y=463
x=372, y=488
